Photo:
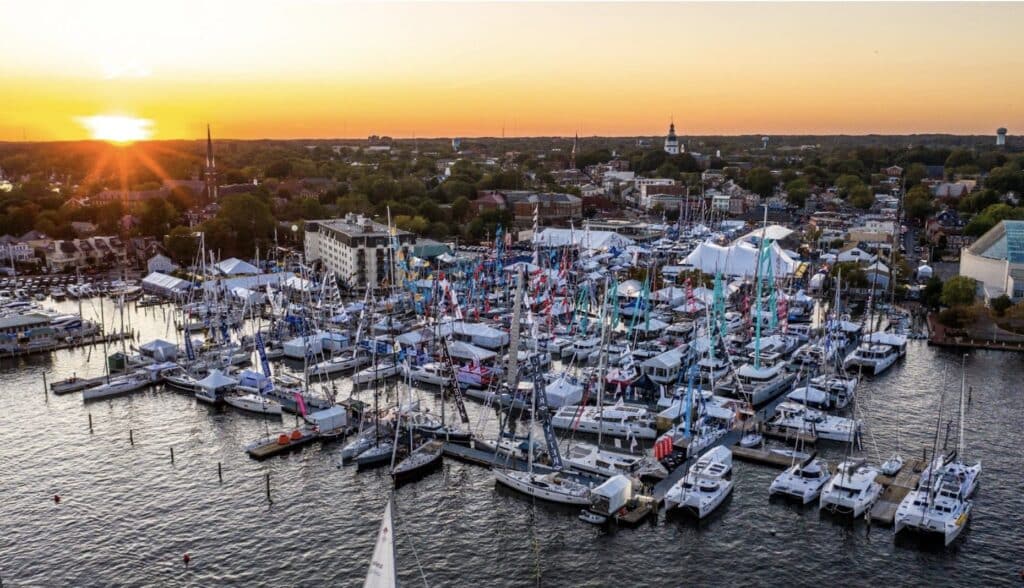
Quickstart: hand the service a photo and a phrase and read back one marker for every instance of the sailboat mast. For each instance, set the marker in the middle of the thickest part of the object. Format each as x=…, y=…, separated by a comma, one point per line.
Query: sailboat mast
x=963, y=386
x=602, y=363
x=757, y=302
x=513, y=345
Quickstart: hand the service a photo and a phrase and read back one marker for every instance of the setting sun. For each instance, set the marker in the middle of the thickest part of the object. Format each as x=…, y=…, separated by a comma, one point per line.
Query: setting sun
x=118, y=129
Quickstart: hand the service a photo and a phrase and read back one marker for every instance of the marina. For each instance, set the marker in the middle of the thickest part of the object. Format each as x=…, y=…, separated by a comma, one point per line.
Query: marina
x=490, y=431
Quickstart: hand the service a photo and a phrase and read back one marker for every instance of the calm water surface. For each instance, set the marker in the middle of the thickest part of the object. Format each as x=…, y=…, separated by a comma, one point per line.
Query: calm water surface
x=127, y=514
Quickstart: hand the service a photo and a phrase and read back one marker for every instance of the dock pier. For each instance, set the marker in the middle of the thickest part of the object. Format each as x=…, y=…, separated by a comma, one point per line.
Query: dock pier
x=895, y=489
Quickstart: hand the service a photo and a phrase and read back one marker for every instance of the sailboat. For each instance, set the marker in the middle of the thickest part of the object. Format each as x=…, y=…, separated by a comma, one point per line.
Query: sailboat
x=941, y=503
x=382, y=565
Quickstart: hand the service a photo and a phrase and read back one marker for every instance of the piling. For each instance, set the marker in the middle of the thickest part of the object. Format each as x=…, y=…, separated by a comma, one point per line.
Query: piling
x=172, y=454
x=131, y=437
x=268, y=488
x=220, y=475
x=46, y=391
x=90, y=423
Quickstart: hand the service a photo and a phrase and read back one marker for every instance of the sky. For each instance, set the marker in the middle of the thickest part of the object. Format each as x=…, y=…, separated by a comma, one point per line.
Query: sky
x=322, y=68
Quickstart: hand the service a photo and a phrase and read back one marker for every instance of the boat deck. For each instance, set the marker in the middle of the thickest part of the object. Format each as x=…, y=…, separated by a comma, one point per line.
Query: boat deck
x=895, y=489
x=662, y=487
x=783, y=434
x=488, y=459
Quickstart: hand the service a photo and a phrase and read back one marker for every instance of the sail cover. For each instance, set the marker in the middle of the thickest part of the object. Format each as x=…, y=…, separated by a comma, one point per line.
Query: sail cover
x=382, y=567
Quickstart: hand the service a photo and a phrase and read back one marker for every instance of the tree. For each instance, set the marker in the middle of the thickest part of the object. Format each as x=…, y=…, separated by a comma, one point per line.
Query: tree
x=247, y=220
x=760, y=181
x=958, y=291
x=931, y=295
x=914, y=174
x=846, y=184
x=1001, y=304
x=861, y=197
x=797, y=191
x=182, y=244
x=279, y=169
x=959, y=157
x=460, y=208
x=918, y=203
x=156, y=217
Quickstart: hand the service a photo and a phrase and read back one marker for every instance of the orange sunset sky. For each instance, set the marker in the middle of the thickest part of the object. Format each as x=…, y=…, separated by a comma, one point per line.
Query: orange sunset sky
x=322, y=68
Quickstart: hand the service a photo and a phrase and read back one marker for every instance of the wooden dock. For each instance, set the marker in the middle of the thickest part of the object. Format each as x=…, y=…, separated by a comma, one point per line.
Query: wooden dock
x=895, y=489
x=482, y=457
x=75, y=384
x=68, y=344
x=279, y=444
x=783, y=434
x=762, y=456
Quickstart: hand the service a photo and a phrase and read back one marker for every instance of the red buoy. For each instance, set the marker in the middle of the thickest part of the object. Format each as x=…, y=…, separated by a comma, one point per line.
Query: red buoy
x=56, y=498
x=186, y=559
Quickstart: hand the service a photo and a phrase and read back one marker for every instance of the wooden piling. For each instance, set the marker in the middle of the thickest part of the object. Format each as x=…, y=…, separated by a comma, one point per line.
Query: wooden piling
x=268, y=487
x=90, y=423
x=172, y=454
x=220, y=475
x=46, y=391
x=131, y=437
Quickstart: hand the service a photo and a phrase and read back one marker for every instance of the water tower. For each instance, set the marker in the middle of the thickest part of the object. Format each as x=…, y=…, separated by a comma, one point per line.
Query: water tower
x=764, y=142
x=1001, y=137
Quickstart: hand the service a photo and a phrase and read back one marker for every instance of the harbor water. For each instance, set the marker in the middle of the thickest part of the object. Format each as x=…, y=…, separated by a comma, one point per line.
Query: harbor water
x=127, y=514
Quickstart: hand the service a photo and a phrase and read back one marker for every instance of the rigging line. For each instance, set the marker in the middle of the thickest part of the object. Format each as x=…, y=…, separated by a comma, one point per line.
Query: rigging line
x=412, y=545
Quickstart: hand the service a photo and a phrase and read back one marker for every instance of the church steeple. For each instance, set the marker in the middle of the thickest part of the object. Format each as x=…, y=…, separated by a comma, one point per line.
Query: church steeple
x=671, y=141
x=210, y=171
x=572, y=154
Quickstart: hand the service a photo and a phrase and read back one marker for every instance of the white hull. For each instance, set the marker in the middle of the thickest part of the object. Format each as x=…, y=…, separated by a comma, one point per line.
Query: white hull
x=535, y=485
x=254, y=403
x=375, y=374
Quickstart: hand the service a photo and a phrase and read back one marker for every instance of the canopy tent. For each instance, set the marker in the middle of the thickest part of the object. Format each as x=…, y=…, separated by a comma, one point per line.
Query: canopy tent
x=235, y=267
x=216, y=380
x=164, y=285
x=551, y=237
x=739, y=259
x=159, y=350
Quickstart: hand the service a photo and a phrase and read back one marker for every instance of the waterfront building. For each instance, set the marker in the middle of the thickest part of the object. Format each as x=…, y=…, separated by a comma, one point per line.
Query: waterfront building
x=355, y=248
x=996, y=260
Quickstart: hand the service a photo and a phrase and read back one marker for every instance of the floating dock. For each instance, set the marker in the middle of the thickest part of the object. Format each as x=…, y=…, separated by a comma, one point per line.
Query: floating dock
x=280, y=444
x=895, y=489
x=488, y=459
x=75, y=384
x=784, y=434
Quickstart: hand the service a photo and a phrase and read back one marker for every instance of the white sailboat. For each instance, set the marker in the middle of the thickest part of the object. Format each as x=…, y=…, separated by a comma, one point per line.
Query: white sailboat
x=706, y=486
x=382, y=565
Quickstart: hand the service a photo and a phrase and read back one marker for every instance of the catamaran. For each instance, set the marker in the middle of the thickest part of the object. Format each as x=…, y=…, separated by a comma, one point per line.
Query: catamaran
x=802, y=480
x=800, y=419
x=851, y=490
x=705, y=486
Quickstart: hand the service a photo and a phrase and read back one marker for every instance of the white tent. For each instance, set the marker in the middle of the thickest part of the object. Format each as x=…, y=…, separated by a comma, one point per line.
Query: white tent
x=216, y=380
x=236, y=267
x=551, y=237
x=738, y=260
x=924, y=272
x=164, y=285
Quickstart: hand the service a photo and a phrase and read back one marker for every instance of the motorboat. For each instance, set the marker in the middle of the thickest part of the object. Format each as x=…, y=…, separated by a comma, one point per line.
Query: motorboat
x=873, y=358
x=802, y=480
x=427, y=425
x=551, y=486
x=255, y=403
x=852, y=489
x=797, y=418
x=759, y=385
x=591, y=459
x=705, y=486
x=620, y=420
x=181, y=379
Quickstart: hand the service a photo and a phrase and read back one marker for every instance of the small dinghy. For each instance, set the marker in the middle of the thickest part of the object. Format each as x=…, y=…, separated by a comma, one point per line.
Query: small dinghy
x=751, y=440
x=893, y=465
x=592, y=517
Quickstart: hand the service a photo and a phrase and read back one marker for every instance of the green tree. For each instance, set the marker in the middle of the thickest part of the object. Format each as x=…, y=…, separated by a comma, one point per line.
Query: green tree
x=847, y=183
x=460, y=208
x=958, y=291
x=861, y=197
x=797, y=191
x=760, y=181
x=918, y=203
x=1001, y=304
x=156, y=218
x=182, y=244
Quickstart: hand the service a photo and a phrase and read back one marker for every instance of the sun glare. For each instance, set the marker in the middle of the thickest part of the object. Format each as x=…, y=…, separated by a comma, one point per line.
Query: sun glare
x=117, y=129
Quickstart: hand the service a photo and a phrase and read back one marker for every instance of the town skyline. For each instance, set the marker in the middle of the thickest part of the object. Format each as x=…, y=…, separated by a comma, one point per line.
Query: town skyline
x=349, y=70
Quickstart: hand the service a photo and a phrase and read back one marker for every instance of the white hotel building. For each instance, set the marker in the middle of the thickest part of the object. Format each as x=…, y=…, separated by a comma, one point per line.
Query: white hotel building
x=354, y=248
